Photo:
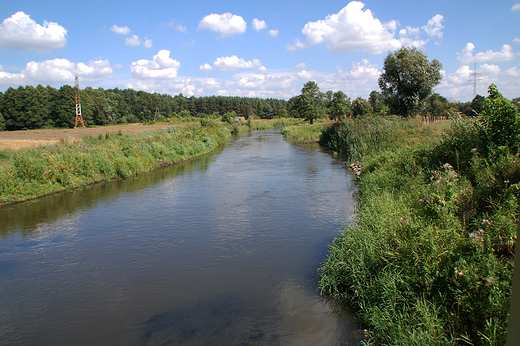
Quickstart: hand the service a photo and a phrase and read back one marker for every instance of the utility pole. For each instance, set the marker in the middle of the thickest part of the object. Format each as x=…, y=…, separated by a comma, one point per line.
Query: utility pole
x=79, y=117
x=474, y=78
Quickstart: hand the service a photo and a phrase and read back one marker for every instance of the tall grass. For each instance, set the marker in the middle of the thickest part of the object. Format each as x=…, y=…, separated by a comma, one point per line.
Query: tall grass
x=429, y=260
x=27, y=174
x=304, y=133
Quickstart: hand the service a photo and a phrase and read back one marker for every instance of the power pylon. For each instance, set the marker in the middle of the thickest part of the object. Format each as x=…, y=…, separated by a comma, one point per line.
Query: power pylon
x=79, y=117
x=475, y=79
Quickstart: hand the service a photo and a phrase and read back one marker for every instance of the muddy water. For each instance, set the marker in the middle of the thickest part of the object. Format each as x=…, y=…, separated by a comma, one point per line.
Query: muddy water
x=221, y=250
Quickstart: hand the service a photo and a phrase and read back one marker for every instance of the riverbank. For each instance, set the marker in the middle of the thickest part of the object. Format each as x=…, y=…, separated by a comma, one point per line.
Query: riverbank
x=35, y=172
x=429, y=260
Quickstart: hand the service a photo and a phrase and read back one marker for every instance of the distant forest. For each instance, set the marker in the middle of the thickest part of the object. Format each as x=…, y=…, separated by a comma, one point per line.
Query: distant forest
x=46, y=107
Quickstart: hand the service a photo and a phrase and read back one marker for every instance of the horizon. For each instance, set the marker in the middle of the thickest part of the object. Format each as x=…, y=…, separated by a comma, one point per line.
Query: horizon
x=265, y=50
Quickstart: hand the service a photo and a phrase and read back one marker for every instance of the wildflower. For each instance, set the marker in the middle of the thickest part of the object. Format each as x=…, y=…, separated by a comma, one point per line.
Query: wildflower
x=489, y=281
x=447, y=166
x=474, y=150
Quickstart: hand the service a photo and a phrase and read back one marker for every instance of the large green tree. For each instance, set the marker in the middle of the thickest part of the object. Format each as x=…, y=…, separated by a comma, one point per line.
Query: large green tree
x=339, y=106
x=407, y=79
x=311, y=105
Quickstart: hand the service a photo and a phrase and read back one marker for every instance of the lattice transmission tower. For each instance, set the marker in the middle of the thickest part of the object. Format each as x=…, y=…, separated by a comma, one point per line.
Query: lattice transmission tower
x=475, y=78
x=79, y=117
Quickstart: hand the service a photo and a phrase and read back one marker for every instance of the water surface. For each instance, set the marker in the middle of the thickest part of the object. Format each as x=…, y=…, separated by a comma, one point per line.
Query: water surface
x=220, y=250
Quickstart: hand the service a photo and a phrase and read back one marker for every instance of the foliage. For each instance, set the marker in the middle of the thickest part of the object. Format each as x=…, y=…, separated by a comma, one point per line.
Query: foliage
x=503, y=123
x=27, y=174
x=303, y=133
x=46, y=107
x=407, y=79
x=361, y=107
x=429, y=260
x=310, y=104
x=339, y=106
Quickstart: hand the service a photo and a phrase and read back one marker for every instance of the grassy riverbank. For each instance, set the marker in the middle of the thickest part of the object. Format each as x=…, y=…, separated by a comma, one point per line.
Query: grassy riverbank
x=31, y=173
x=429, y=259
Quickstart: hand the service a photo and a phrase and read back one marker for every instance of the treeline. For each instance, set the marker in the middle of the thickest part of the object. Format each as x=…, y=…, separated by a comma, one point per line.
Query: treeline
x=46, y=107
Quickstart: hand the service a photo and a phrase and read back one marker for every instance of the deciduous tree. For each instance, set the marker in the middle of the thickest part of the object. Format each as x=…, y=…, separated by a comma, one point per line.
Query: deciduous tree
x=407, y=79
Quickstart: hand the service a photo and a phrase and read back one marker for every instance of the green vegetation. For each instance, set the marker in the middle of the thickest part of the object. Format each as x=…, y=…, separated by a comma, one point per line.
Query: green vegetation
x=31, y=173
x=304, y=133
x=429, y=260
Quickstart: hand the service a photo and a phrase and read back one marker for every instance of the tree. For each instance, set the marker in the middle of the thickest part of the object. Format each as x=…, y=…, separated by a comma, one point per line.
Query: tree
x=377, y=101
x=267, y=112
x=361, y=107
x=311, y=106
x=339, y=106
x=502, y=120
x=407, y=79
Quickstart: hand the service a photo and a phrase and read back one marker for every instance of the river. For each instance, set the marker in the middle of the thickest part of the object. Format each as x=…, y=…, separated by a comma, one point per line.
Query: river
x=220, y=250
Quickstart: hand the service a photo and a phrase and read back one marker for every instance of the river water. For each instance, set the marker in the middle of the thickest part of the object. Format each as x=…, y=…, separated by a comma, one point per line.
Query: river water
x=220, y=250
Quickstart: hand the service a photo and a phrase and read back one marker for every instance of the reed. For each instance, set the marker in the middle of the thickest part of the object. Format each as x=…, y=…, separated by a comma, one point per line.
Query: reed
x=31, y=173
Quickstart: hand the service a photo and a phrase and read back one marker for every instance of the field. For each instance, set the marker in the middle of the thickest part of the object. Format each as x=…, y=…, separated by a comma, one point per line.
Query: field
x=33, y=138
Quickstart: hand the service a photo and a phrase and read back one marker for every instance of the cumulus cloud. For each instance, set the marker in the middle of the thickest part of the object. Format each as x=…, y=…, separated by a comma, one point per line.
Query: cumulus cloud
x=273, y=33
x=466, y=55
x=304, y=75
x=10, y=79
x=62, y=71
x=516, y=7
x=147, y=43
x=259, y=24
x=179, y=27
x=262, y=69
x=296, y=45
x=352, y=29
x=301, y=65
x=226, y=24
x=133, y=41
x=20, y=32
x=434, y=26
x=363, y=70
x=516, y=39
x=234, y=63
x=122, y=30
x=205, y=67
x=160, y=67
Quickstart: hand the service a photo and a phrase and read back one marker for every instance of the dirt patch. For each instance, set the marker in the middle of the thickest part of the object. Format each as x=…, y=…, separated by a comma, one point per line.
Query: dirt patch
x=33, y=138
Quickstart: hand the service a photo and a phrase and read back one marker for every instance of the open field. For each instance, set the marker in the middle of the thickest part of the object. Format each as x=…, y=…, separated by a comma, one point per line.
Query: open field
x=33, y=138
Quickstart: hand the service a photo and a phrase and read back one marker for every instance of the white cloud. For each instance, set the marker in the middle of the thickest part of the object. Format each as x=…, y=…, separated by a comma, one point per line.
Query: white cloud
x=160, y=67
x=147, y=43
x=133, y=41
x=461, y=76
x=226, y=24
x=296, y=45
x=262, y=69
x=516, y=39
x=10, y=79
x=352, y=29
x=122, y=30
x=181, y=28
x=205, y=67
x=62, y=71
x=304, y=75
x=301, y=65
x=259, y=24
x=191, y=43
x=489, y=70
x=434, y=26
x=363, y=70
x=22, y=33
x=234, y=62
x=273, y=33
x=466, y=55
x=516, y=7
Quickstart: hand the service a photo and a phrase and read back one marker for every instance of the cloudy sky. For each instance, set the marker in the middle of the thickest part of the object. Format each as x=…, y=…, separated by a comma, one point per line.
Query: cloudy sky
x=255, y=48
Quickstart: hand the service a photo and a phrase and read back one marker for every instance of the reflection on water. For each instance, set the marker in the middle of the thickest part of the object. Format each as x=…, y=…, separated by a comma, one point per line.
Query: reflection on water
x=220, y=250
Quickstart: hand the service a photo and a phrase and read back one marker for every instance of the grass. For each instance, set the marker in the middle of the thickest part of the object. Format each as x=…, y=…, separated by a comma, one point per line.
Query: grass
x=429, y=260
x=31, y=173
x=304, y=133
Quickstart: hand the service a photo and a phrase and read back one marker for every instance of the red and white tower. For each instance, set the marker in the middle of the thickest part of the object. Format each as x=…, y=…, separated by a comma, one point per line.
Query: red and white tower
x=79, y=117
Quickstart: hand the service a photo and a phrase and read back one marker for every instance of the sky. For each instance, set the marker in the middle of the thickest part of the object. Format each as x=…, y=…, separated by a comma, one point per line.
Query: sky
x=266, y=49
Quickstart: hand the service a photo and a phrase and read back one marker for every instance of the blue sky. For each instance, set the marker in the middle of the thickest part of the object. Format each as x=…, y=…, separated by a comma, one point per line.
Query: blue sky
x=255, y=48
